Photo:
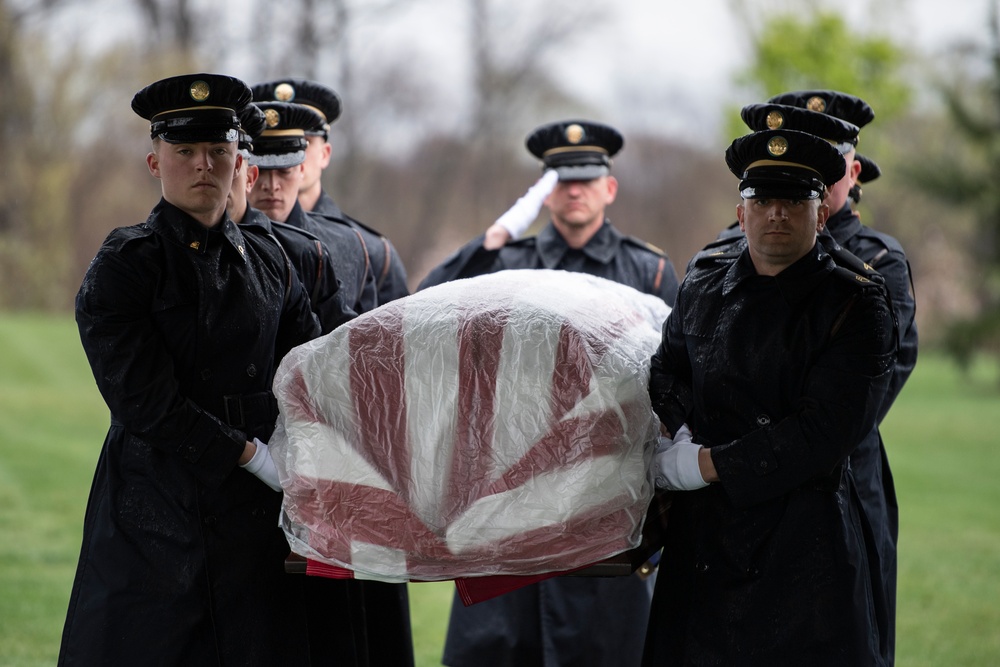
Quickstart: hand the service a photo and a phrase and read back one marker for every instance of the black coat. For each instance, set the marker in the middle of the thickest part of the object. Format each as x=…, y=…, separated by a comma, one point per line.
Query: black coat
x=564, y=620
x=387, y=267
x=350, y=257
x=314, y=266
x=609, y=254
x=182, y=560
x=782, y=377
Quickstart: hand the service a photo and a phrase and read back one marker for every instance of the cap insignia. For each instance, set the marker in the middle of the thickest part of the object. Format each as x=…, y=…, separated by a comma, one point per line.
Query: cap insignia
x=777, y=146
x=775, y=120
x=574, y=134
x=271, y=117
x=816, y=103
x=199, y=91
x=284, y=92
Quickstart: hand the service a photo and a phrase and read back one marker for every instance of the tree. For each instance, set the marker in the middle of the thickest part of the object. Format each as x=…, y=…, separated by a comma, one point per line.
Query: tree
x=964, y=175
x=818, y=50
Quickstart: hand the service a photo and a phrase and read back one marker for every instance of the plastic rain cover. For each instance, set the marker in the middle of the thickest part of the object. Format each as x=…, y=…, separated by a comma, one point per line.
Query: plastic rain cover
x=494, y=425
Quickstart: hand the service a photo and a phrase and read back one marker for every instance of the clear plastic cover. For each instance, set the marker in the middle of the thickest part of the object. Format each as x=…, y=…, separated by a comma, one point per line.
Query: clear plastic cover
x=495, y=425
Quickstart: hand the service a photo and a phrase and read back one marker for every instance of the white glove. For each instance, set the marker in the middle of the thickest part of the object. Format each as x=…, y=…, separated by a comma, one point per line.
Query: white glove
x=519, y=217
x=676, y=462
x=262, y=466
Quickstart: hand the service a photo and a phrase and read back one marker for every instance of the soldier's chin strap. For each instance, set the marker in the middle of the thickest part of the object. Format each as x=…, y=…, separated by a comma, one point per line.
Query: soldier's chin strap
x=519, y=217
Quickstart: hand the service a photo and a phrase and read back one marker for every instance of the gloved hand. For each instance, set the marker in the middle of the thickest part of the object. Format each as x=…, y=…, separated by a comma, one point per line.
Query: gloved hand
x=262, y=466
x=676, y=462
x=519, y=217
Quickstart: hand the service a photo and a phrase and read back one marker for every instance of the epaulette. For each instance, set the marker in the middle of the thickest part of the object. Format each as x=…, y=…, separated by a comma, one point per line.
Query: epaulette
x=720, y=250
x=122, y=236
x=645, y=245
x=367, y=228
x=846, y=274
x=844, y=258
x=295, y=231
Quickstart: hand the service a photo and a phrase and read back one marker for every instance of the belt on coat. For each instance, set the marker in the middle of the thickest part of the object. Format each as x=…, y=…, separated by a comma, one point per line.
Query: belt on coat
x=236, y=408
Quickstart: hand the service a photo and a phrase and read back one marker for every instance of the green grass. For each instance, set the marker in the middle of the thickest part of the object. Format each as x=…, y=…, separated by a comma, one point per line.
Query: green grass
x=941, y=436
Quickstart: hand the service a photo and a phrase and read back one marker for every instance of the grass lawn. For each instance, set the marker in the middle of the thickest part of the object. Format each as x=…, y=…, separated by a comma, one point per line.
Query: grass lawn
x=941, y=436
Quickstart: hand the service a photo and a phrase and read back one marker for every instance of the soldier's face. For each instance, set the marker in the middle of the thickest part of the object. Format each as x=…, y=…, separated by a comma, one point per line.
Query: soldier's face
x=581, y=203
x=317, y=159
x=779, y=232
x=195, y=177
x=276, y=191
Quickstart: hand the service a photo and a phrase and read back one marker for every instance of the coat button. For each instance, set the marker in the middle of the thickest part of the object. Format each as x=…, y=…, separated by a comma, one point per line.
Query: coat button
x=763, y=420
x=252, y=370
x=209, y=520
x=753, y=572
x=762, y=464
x=257, y=512
x=701, y=566
x=206, y=374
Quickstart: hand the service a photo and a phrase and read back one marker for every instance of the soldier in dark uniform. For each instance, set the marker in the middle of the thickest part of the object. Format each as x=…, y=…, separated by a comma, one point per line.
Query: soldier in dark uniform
x=279, y=154
x=838, y=117
x=184, y=318
x=565, y=620
x=387, y=267
x=307, y=253
x=374, y=614
x=778, y=361
x=579, y=237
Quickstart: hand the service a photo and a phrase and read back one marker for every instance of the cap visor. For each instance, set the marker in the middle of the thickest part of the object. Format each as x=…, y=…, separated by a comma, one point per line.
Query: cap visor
x=278, y=160
x=191, y=135
x=581, y=172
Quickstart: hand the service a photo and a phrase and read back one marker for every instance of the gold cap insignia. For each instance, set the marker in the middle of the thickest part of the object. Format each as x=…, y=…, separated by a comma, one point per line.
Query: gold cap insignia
x=284, y=92
x=199, y=91
x=777, y=146
x=195, y=244
x=816, y=103
x=775, y=120
x=271, y=117
x=574, y=134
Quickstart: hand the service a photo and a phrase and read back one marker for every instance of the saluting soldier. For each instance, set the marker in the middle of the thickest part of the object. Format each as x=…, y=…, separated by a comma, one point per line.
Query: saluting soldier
x=280, y=155
x=387, y=267
x=184, y=318
x=564, y=620
x=307, y=253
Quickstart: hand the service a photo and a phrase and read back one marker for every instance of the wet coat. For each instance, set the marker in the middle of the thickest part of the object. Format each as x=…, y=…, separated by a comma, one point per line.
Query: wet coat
x=182, y=560
x=782, y=377
x=313, y=265
x=598, y=622
x=387, y=267
x=609, y=254
x=350, y=256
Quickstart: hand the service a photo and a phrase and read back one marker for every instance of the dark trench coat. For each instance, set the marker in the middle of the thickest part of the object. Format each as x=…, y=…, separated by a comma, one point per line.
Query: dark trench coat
x=783, y=377
x=182, y=561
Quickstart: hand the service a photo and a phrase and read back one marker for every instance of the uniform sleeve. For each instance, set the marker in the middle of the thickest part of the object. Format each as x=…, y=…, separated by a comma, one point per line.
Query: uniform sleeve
x=470, y=260
x=896, y=271
x=844, y=390
x=393, y=284
x=135, y=372
x=327, y=294
x=670, y=373
x=298, y=323
x=666, y=282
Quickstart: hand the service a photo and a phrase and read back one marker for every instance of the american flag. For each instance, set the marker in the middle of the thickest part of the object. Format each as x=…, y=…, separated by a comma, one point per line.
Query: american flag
x=495, y=425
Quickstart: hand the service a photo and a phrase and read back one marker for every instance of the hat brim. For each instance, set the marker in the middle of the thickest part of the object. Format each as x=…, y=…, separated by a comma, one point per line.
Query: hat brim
x=581, y=172
x=277, y=160
x=195, y=135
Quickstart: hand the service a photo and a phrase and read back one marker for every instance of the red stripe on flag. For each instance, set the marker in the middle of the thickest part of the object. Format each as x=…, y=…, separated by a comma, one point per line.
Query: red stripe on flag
x=480, y=343
x=377, y=375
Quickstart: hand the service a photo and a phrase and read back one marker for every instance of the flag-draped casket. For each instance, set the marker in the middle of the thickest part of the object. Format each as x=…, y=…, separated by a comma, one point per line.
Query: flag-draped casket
x=495, y=425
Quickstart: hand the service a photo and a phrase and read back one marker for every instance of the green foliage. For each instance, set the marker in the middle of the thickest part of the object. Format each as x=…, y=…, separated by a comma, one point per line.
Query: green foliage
x=818, y=50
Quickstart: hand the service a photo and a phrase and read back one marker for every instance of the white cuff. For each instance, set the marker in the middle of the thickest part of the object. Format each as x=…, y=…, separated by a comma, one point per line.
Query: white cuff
x=261, y=465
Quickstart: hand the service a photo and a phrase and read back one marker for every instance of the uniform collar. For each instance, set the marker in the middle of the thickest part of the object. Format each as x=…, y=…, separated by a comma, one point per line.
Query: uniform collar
x=175, y=225
x=257, y=218
x=602, y=246
x=796, y=282
x=327, y=206
x=843, y=224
